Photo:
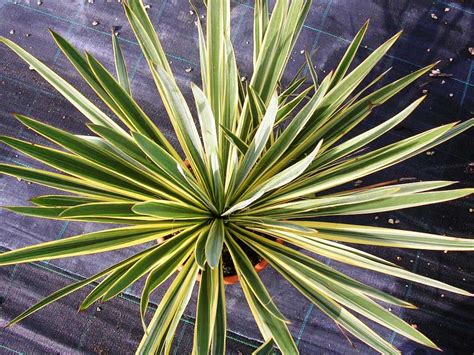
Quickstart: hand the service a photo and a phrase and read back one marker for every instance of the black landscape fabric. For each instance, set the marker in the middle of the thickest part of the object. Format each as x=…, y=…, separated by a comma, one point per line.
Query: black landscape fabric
x=433, y=30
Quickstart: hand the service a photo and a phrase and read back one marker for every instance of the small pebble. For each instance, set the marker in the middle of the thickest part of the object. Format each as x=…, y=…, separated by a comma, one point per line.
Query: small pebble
x=451, y=95
x=442, y=295
x=428, y=50
x=302, y=51
x=31, y=67
x=445, y=251
x=357, y=183
x=188, y=70
x=450, y=59
x=434, y=17
x=414, y=325
x=391, y=221
x=147, y=6
x=12, y=32
x=243, y=79
x=376, y=217
x=443, y=82
x=430, y=152
x=399, y=258
x=447, y=9
x=435, y=72
x=191, y=12
x=397, y=221
x=471, y=210
x=389, y=309
x=28, y=35
x=39, y=2
x=95, y=23
x=424, y=91
x=411, y=260
x=90, y=1
x=98, y=309
x=471, y=50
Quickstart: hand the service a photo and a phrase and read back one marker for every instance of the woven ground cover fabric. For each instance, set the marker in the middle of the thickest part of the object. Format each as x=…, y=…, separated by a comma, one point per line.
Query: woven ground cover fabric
x=433, y=30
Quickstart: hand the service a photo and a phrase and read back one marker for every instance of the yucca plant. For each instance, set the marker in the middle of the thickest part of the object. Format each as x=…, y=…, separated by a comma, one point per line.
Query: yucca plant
x=259, y=171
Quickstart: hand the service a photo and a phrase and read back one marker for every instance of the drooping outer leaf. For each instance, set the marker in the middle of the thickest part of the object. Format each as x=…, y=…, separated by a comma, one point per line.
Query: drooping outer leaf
x=89, y=243
x=177, y=295
x=74, y=287
x=70, y=93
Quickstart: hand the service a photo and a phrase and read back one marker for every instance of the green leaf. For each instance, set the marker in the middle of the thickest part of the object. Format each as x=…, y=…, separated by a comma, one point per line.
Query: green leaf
x=145, y=33
x=351, y=114
x=364, y=165
x=115, y=274
x=39, y=212
x=218, y=344
x=258, y=143
x=218, y=29
x=246, y=270
x=350, y=233
x=75, y=165
x=172, y=248
x=200, y=248
x=312, y=71
x=133, y=113
x=349, y=55
x=169, y=210
x=210, y=139
x=235, y=140
x=280, y=179
x=353, y=300
x=365, y=138
x=102, y=209
x=103, y=156
x=260, y=23
x=183, y=123
x=89, y=243
x=120, y=66
x=58, y=181
x=269, y=326
x=206, y=310
x=173, y=170
x=392, y=203
x=266, y=348
x=63, y=292
x=159, y=275
x=264, y=246
x=309, y=207
x=72, y=95
x=286, y=110
x=60, y=200
x=271, y=160
x=214, y=243
x=358, y=258
x=170, y=308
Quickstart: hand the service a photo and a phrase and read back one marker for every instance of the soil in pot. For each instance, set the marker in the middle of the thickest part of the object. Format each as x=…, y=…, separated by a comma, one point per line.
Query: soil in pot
x=228, y=263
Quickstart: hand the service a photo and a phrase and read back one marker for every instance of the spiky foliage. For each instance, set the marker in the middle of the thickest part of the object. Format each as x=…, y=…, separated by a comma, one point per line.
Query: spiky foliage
x=260, y=166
